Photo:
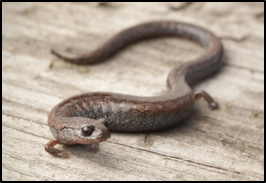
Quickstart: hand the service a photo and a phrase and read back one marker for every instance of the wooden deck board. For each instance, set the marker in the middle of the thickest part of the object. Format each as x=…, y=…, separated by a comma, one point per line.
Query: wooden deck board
x=227, y=144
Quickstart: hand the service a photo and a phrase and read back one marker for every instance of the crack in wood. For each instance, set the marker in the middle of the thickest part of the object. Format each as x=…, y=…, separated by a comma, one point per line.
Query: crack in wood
x=22, y=105
x=11, y=127
x=235, y=39
x=19, y=172
x=244, y=68
x=13, y=170
x=26, y=119
x=178, y=158
x=181, y=7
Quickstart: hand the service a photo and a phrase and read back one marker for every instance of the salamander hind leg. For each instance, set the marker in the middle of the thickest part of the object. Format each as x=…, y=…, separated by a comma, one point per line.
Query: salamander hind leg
x=49, y=147
x=212, y=104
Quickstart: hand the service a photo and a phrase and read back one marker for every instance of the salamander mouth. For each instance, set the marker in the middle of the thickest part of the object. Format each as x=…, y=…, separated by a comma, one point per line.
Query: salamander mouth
x=105, y=135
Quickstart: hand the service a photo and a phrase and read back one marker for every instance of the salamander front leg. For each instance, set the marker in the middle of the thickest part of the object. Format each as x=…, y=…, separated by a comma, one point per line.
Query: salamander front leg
x=49, y=147
x=212, y=104
x=93, y=147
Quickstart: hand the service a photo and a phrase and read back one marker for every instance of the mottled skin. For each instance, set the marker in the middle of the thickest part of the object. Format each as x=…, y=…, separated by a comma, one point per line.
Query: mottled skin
x=104, y=112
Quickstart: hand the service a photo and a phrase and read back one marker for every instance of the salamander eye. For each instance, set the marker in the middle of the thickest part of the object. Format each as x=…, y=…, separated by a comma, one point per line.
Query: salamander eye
x=87, y=130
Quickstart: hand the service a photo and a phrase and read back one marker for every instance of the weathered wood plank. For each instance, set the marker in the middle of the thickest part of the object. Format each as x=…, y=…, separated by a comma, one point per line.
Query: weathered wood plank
x=210, y=145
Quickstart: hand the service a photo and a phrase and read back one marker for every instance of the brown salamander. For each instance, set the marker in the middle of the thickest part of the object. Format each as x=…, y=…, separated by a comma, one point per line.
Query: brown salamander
x=88, y=118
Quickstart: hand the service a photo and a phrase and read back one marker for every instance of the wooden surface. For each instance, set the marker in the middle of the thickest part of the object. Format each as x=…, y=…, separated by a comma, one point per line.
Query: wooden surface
x=227, y=144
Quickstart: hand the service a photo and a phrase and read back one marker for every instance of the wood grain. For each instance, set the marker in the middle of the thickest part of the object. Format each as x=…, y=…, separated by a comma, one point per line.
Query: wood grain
x=227, y=144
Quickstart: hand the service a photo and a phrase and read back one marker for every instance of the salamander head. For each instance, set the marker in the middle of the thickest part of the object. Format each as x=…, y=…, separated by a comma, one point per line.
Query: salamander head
x=84, y=131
